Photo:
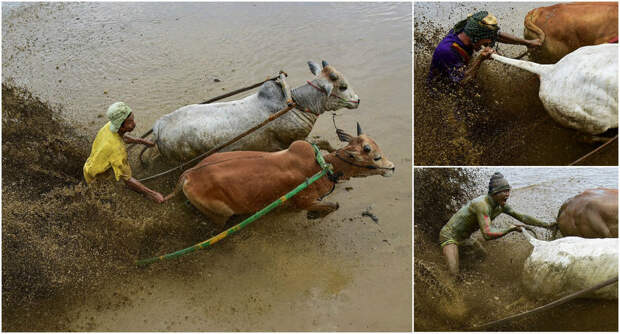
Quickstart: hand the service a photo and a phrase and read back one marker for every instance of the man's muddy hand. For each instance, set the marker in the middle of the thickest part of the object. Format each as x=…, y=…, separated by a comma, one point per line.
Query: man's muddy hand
x=157, y=197
x=486, y=52
x=516, y=228
x=534, y=43
x=527, y=227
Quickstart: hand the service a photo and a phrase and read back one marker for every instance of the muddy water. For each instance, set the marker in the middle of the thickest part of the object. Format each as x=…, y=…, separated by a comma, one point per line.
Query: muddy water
x=541, y=191
x=344, y=272
x=501, y=121
x=491, y=288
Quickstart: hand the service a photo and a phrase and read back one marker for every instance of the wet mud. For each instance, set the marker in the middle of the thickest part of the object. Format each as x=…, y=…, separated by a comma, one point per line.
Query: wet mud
x=490, y=288
x=499, y=119
x=68, y=250
x=60, y=236
x=72, y=247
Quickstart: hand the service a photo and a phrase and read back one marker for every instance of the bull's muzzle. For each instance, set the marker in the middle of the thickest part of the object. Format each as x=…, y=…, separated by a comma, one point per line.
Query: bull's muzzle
x=389, y=170
x=353, y=104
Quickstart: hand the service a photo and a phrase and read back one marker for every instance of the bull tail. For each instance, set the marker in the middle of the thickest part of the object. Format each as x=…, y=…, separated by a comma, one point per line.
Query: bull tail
x=524, y=65
x=532, y=240
x=531, y=30
x=178, y=187
x=561, y=210
x=141, y=153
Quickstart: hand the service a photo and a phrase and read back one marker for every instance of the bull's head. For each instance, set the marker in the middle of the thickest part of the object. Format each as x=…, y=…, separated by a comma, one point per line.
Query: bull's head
x=363, y=155
x=335, y=86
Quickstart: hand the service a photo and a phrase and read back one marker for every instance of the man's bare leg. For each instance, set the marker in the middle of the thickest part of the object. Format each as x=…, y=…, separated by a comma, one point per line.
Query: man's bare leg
x=451, y=254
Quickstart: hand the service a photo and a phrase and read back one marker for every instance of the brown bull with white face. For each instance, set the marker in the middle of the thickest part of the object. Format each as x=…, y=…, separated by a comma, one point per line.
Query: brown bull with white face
x=563, y=28
x=244, y=182
x=591, y=214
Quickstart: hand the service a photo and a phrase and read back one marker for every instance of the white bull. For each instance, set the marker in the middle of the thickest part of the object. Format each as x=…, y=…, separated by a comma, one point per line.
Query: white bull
x=563, y=266
x=195, y=129
x=581, y=90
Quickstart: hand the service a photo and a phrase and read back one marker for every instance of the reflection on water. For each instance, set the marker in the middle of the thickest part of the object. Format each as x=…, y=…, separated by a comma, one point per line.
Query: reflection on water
x=160, y=56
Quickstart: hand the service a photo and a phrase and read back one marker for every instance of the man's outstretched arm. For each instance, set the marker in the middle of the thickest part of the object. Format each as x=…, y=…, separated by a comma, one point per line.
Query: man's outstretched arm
x=135, y=185
x=526, y=219
x=507, y=38
x=489, y=233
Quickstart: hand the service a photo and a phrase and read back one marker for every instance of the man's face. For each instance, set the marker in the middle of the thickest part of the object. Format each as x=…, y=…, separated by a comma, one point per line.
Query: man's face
x=482, y=43
x=501, y=197
x=128, y=125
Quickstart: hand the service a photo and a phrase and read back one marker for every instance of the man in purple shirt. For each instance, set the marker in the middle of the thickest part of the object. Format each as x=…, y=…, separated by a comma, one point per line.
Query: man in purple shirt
x=451, y=60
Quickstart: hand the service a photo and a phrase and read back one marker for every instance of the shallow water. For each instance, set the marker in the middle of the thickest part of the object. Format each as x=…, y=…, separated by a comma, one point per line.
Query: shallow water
x=541, y=191
x=283, y=272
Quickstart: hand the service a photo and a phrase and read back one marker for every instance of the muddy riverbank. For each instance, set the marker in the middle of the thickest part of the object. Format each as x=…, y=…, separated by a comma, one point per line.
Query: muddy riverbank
x=491, y=287
x=501, y=120
x=76, y=244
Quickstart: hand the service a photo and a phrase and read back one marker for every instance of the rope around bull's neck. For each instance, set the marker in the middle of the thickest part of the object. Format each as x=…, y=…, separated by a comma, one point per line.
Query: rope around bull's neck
x=321, y=89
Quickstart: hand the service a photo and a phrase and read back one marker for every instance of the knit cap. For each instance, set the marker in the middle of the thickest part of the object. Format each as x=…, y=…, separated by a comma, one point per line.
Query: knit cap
x=478, y=26
x=498, y=183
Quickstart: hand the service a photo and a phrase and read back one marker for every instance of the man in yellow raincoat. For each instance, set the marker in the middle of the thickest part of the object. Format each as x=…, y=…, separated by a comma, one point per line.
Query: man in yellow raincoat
x=108, y=150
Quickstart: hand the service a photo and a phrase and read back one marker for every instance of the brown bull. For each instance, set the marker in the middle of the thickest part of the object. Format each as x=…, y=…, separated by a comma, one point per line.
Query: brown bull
x=591, y=214
x=564, y=28
x=243, y=182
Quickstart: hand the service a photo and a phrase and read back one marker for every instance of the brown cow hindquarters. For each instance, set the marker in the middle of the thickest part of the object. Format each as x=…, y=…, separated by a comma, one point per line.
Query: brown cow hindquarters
x=563, y=28
x=217, y=211
x=591, y=214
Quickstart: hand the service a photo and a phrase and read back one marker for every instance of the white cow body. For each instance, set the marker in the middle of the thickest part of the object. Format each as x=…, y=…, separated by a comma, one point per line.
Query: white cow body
x=581, y=90
x=563, y=266
x=197, y=128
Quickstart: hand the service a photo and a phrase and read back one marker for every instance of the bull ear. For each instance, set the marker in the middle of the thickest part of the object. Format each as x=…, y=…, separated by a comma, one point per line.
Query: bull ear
x=325, y=64
x=314, y=67
x=359, y=130
x=327, y=86
x=343, y=136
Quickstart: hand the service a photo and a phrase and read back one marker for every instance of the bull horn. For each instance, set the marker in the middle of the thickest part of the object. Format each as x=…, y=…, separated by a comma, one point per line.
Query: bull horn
x=324, y=63
x=359, y=129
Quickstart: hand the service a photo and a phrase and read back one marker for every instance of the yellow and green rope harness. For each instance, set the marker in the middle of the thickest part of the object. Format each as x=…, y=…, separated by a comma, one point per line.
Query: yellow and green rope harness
x=325, y=169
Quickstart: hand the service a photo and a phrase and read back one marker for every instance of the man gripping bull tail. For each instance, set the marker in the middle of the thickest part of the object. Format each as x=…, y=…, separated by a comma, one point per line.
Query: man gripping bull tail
x=452, y=64
x=477, y=214
x=178, y=187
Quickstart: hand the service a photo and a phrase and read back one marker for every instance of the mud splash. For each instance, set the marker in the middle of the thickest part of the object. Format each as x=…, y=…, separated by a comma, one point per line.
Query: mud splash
x=499, y=120
x=68, y=250
x=50, y=253
x=490, y=288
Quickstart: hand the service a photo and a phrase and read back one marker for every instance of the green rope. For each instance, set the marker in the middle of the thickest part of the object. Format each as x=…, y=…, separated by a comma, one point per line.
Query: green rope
x=325, y=168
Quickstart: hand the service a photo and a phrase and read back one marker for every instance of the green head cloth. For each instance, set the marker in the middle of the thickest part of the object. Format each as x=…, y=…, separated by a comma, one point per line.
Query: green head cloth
x=478, y=26
x=498, y=183
x=117, y=113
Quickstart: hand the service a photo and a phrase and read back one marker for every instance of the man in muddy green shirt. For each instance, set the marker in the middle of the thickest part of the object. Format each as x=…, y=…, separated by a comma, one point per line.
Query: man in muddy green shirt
x=477, y=214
